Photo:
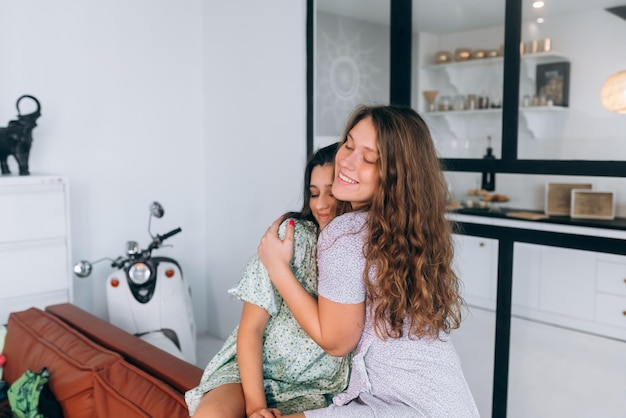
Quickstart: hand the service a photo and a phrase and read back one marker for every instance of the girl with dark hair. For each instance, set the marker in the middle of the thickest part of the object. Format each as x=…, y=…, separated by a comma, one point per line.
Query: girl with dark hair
x=386, y=285
x=268, y=364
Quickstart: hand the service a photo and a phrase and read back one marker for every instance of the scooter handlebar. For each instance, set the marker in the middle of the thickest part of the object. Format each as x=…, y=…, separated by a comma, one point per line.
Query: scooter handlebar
x=156, y=241
x=169, y=234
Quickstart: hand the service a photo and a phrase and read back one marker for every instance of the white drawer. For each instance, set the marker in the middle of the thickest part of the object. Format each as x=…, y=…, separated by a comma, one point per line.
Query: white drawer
x=32, y=212
x=611, y=278
x=39, y=300
x=611, y=310
x=33, y=268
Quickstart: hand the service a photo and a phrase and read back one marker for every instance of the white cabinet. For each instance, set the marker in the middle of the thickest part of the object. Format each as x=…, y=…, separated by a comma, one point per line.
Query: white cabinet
x=526, y=276
x=567, y=282
x=610, y=307
x=34, y=243
x=576, y=289
x=475, y=263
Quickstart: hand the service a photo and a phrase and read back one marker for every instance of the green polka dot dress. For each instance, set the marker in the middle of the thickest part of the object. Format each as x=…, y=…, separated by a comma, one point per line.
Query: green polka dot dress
x=298, y=374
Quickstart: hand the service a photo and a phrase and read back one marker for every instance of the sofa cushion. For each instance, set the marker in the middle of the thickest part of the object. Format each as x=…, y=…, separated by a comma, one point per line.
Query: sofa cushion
x=123, y=390
x=36, y=339
x=87, y=379
x=177, y=373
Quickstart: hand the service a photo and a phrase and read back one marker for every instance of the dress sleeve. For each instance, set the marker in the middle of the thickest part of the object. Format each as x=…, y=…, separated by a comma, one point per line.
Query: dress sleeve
x=341, y=261
x=256, y=286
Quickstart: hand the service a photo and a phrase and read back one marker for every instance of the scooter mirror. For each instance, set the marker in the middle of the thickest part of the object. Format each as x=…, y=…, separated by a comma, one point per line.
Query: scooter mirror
x=156, y=210
x=82, y=268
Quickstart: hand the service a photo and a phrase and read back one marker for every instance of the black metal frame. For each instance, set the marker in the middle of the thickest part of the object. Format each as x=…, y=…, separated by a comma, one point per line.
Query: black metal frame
x=400, y=93
x=310, y=77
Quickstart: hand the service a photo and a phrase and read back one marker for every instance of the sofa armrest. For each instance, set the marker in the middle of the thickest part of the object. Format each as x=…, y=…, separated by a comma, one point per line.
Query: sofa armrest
x=177, y=373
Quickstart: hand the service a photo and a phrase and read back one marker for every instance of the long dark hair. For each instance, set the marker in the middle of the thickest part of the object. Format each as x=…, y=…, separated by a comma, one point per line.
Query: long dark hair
x=321, y=157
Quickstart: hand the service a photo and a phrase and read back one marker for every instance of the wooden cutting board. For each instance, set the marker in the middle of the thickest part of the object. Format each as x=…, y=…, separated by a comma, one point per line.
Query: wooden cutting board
x=531, y=216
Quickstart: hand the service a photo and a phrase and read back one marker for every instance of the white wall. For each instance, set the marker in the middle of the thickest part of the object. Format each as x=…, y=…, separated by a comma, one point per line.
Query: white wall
x=177, y=101
x=255, y=122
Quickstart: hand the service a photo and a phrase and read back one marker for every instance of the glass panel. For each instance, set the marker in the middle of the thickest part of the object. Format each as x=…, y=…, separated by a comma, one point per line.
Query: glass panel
x=458, y=77
x=351, y=61
x=570, y=48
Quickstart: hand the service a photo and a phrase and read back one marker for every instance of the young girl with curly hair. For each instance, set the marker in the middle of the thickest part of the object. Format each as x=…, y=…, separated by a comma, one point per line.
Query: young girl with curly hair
x=386, y=285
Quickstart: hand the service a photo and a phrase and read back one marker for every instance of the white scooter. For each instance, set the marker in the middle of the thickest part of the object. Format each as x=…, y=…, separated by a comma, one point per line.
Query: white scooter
x=147, y=296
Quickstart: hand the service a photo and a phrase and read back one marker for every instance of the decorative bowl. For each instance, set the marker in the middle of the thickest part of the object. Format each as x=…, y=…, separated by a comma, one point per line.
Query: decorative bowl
x=442, y=57
x=462, y=54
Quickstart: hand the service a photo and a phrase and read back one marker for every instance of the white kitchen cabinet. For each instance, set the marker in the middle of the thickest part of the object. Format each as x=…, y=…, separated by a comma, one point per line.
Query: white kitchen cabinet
x=526, y=276
x=475, y=263
x=568, y=282
x=610, y=307
x=34, y=243
x=575, y=289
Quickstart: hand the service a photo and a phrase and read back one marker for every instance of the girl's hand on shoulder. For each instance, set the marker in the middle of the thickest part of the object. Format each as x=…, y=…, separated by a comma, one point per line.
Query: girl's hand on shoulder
x=266, y=413
x=273, y=252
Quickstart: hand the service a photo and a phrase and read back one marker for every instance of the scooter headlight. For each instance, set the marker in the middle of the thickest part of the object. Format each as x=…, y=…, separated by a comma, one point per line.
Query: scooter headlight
x=139, y=273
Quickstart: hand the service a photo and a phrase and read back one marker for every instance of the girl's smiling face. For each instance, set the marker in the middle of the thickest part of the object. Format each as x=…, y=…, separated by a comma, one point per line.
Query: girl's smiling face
x=356, y=171
x=322, y=202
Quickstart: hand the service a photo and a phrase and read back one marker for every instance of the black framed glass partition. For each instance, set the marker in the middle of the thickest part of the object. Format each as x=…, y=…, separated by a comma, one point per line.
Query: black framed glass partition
x=546, y=328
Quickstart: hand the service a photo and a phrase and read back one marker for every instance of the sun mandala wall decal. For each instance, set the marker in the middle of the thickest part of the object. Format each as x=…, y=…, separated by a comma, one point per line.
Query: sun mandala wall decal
x=348, y=70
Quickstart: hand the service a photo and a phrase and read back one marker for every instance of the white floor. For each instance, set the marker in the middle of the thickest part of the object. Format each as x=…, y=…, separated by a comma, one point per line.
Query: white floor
x=554, y=372
x=207, y=347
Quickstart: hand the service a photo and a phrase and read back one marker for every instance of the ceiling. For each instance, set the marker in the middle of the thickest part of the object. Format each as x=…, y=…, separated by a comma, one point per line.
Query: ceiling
x=445, y=16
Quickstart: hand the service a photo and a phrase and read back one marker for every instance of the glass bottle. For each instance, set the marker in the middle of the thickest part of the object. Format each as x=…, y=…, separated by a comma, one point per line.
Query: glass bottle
x=488, y=182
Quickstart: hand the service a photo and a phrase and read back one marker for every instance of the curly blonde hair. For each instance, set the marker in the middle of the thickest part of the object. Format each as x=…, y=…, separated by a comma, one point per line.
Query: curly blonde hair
x=409, y=241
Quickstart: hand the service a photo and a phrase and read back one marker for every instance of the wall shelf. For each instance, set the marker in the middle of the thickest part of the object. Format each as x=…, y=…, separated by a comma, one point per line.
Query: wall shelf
x=485, y=74
x=523, y=110
x=538, y=58
x=536, y=119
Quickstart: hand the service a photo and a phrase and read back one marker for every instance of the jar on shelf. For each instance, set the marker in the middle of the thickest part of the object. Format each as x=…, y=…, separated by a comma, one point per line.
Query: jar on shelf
x=483, y=102
x=472, y=102
x=445, y=103
x=459, y=102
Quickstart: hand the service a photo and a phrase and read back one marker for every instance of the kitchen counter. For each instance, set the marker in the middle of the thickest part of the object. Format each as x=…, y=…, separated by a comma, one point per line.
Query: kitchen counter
x=617, y=223
x=615, y=228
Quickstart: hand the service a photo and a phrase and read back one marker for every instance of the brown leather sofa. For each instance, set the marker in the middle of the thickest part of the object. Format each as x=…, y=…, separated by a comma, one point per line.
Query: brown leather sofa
x=96, y=369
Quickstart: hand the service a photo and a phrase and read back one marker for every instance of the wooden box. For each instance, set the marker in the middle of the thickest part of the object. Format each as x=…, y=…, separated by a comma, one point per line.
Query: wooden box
x=558, y=197
x=592, y=204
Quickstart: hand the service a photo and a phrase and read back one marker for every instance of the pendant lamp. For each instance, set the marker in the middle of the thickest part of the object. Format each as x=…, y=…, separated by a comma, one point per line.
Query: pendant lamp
x=614, y=93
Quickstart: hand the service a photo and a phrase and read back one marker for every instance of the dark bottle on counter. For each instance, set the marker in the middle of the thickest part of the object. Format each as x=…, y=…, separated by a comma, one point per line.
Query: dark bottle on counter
x=489, y=178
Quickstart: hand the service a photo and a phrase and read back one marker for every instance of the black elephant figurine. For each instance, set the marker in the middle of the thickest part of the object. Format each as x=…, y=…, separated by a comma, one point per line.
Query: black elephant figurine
x=17, y=138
